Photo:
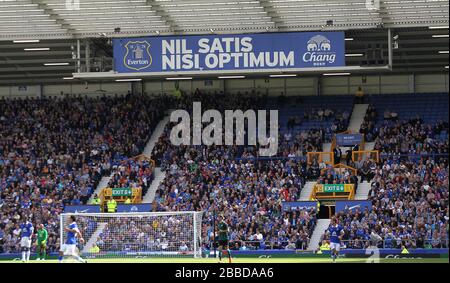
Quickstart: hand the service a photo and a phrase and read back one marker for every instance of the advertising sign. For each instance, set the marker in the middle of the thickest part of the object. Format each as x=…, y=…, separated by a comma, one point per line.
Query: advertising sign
x=294, y=205
x=353, y=204
x=82, y=209
x=348, y=139
x=141, y=207
x=245, y=52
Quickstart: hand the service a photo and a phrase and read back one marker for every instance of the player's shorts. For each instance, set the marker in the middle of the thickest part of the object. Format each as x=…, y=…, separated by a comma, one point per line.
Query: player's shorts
x=25, y=242
x=335, y=246
x=223, y=243
x=42, y=243
x=69, y=250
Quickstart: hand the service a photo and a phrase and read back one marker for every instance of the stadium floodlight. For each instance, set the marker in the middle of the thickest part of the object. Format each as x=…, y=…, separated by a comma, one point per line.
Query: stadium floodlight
x=354, y=55
x=446, y=67
x=337, y=74
x=37, y=49
x=68, y=78
x=180, y=78
x=128, y=80
x=56, y=64
x=27, y=41
x=138, y=234
x=231, y=77
x=438, y=27
x=283, y=75
x=349, y=39
x=443, y=52
x=440, y=35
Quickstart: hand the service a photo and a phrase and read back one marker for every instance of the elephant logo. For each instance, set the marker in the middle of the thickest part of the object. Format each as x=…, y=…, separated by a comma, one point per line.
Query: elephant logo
x=319, y=43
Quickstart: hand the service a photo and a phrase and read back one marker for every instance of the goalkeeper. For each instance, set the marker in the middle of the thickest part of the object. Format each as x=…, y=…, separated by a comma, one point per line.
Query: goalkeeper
x=41, y=244
x=223, y=240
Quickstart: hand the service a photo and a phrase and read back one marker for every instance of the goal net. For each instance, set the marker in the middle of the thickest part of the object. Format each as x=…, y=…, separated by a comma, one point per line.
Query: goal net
x=137, y=235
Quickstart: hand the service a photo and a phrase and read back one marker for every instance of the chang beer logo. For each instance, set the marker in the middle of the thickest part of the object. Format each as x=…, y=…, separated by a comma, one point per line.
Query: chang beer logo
x=319, y=52
x=137, y=56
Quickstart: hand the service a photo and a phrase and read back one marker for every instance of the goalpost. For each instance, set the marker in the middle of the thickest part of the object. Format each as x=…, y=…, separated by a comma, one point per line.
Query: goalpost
x=137, y=235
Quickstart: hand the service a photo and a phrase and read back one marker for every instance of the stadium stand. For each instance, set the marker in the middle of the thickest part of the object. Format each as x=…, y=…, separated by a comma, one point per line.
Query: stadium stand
x=54, y=152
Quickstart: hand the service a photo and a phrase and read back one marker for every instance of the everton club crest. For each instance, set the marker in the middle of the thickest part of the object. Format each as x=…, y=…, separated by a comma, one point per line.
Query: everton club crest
x=138, y=55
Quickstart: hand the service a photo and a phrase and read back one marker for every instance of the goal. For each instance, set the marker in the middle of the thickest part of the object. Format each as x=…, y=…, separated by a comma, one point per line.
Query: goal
x=137, y=235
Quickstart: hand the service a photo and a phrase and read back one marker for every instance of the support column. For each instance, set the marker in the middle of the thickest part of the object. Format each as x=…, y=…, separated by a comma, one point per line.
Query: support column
x=87, y=55
x=78, y=57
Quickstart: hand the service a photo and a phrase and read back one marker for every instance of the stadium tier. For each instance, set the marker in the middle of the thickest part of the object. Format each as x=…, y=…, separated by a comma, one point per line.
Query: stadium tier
x=210, y=131
x=42, y=174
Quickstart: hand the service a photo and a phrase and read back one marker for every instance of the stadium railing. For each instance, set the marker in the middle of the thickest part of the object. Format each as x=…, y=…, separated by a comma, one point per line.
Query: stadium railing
x=414, y=156
x=394, y=244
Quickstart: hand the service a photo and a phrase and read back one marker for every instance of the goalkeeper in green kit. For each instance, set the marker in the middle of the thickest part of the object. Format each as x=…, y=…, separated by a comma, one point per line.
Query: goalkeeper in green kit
x=41, y=245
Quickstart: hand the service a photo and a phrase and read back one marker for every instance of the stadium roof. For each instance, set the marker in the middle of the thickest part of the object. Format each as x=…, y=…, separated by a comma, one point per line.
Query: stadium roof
x=54, y=27
x=96, y=18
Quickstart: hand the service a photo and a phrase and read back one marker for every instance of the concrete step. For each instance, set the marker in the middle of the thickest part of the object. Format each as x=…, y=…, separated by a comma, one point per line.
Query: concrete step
x=326, y=148
x=307, y=190
x=155, y=136
x=93, y=237
x=321, y=227
x=369, y=145
x=357, y=117
x=160, y=175
x=102, y=184
x=363, y=191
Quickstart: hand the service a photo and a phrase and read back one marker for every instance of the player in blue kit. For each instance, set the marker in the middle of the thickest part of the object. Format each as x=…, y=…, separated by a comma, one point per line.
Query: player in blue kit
x=335, y=232
x=70, y=247
x=26, y=233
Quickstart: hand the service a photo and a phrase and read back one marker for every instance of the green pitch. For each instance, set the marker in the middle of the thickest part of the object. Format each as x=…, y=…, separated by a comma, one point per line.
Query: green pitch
x=247, y=260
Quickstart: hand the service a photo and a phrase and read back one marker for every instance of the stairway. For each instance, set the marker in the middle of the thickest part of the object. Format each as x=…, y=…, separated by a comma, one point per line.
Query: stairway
x=147, y=152
x=94, y=237
x=369, y=145
x=357, y=118
x=102, y=184
x=326, y=148
x=321, y=227
x=307, y=190
x=155, y=136
x=362, y=193
x=159, y=177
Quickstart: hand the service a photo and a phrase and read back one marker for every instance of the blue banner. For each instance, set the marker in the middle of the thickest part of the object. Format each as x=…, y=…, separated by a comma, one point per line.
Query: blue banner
x=82, y=209
x=348, y=139
x=141, y=207
x=294, y=205
x=353, y=204
x=243, y=52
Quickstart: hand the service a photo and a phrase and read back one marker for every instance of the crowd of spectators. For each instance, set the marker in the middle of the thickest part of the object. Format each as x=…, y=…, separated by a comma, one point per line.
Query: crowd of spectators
x=340, y=120
x=409, y=185
x=132, y=173
x=149, y=233
x=412, y=136
x=409, y=207
x=53, y=152
x=247, y=191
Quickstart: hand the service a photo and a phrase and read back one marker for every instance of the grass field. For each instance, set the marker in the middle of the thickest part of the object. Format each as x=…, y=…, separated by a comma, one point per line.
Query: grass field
x=248, y=260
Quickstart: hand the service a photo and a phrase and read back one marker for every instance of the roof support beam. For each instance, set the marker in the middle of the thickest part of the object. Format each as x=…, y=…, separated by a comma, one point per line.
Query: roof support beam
x=53, y=15
x=165, y=16
x=272, y=13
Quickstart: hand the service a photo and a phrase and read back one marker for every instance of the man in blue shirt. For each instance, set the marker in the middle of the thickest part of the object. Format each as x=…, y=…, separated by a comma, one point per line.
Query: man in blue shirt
x=335, y=231
x=70, y=246
x=26, y=233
